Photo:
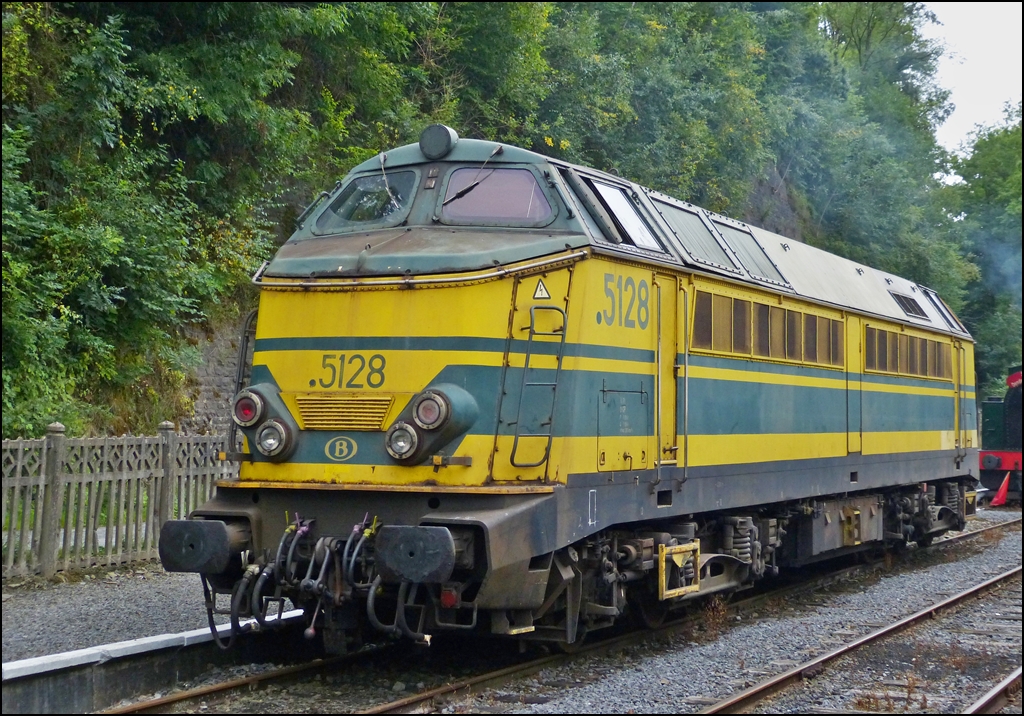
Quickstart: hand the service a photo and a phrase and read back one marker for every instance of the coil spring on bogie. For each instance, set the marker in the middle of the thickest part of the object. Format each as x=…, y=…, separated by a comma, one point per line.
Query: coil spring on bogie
x=738, y=537
x=689, y=570
x=952, y=496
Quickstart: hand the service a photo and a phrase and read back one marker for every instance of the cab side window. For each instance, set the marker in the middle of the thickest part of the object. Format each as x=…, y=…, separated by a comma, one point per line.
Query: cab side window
x=611, y=211
x=624, y=211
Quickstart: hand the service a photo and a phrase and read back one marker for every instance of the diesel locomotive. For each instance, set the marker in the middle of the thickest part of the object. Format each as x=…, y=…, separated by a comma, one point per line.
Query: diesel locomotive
x=490, y=391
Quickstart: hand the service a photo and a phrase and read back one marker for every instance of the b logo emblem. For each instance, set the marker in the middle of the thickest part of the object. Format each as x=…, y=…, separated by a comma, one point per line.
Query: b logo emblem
x=341, y=449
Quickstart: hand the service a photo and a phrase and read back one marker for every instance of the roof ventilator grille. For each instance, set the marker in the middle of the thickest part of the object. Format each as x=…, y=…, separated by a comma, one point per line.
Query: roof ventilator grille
x=910, y=306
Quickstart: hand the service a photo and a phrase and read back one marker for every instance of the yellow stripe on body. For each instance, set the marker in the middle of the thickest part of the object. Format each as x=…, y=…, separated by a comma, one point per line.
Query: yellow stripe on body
x=706, y=450
x=838, y=383
x=744, y=376
x=476, y=446
x=907, y=390
x=405, y=372
x=908, y=442
x=478, y=311
x=576, y=454
x=573, y=455
x=363, y=487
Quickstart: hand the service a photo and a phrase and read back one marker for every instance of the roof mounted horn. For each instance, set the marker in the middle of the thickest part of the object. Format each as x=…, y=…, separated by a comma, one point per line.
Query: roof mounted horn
x=438, y=141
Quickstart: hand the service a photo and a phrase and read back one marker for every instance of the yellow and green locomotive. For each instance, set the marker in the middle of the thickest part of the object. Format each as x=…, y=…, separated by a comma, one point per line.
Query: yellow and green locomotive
x=491, y=391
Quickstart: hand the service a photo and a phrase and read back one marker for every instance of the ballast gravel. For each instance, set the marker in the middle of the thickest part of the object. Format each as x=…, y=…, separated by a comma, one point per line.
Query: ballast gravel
x=939, y=666
x=99, y=606
x=684, y=674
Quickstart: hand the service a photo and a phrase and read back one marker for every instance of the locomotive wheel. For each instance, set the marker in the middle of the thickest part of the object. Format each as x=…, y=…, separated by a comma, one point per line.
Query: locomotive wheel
x=647, y=609
x=581, y=637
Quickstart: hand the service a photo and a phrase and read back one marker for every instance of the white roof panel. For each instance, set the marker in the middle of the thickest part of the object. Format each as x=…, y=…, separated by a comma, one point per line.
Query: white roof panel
x=820, y=276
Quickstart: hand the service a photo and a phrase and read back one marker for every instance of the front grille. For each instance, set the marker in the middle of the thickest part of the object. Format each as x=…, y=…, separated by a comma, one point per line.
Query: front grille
x=343, y=412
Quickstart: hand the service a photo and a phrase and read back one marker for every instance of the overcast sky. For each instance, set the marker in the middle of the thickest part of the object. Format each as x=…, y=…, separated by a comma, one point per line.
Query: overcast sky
x=982, y=65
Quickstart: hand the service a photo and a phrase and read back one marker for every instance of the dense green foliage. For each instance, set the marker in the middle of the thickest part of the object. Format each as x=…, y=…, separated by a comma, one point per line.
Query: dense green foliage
x=153, y=154
x=990, y=201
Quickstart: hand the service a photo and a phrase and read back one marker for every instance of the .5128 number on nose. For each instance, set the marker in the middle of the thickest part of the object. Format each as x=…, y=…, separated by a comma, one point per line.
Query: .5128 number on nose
x=334, y=371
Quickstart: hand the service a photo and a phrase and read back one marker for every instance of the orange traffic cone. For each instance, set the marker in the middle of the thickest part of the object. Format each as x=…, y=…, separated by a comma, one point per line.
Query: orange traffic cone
x=1000, y=499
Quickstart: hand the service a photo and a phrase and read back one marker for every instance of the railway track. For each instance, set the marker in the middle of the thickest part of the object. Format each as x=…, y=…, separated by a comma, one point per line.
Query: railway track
x=998, y=697
x=429, y=697
x=747, y=700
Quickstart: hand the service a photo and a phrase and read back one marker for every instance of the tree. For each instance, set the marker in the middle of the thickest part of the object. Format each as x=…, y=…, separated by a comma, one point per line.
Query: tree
x=988, y=202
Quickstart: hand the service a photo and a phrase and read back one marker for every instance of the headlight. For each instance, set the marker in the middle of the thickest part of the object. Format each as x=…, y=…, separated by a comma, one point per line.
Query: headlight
x=401, y=440
x=272, y=438
x=248, y=408
x=430, y=410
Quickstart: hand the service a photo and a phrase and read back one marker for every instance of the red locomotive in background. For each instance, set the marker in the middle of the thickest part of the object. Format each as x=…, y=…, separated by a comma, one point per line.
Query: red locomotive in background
x=1000, y=458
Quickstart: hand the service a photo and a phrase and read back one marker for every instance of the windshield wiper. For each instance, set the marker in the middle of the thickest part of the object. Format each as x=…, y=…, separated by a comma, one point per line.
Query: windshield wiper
x=394, y=202
x=476, y=182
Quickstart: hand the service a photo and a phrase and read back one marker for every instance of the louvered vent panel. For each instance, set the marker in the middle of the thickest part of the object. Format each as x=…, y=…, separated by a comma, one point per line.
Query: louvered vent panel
x=344, y=412
x=909, y=305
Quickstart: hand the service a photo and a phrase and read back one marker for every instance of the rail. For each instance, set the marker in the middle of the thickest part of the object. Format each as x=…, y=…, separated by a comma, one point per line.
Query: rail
x=998, y=697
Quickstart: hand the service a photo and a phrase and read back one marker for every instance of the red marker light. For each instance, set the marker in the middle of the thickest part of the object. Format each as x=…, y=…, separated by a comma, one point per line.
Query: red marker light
x=428, y=412
x=245, y=409
x=449, y=598
x=248, y=408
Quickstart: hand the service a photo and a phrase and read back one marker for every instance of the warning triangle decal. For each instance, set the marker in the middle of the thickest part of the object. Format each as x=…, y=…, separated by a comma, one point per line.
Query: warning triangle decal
x=542, y=290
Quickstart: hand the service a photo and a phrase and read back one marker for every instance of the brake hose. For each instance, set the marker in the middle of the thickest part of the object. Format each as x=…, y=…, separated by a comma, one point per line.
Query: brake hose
x=351, y=573
x=223, y=646
x=371, y=612
x=257, y=596
x=238, y=596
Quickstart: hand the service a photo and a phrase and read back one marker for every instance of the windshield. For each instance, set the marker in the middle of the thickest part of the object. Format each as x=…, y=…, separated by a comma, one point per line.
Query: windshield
x=499, y=195
x=366, y=200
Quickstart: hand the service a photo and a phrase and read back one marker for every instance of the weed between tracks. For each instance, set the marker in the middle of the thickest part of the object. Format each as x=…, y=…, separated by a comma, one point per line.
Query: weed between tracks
x=871, y=702
x=715, y=616
x=956, y=658
x=886, y=702
x=993, y=537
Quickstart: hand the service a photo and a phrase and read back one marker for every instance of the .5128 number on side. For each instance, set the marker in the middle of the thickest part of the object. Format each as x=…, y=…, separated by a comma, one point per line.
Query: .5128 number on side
x=628, y=302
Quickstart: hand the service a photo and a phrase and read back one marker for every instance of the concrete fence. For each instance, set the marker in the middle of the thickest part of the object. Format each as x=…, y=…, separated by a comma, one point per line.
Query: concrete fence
x=77, y=502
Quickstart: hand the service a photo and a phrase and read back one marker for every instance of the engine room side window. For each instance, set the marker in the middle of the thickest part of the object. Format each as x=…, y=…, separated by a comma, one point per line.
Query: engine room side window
x=504, y=196
x=732, y=325
x=369, y=200
x=695, y=236
x=900, y=354
x=750, y=253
